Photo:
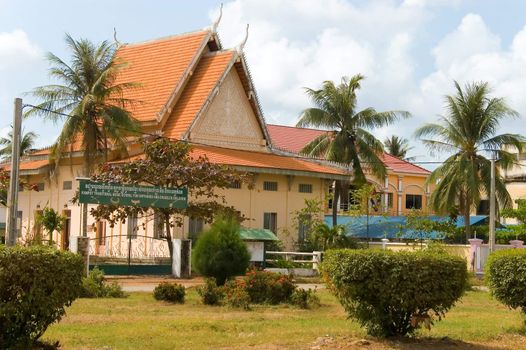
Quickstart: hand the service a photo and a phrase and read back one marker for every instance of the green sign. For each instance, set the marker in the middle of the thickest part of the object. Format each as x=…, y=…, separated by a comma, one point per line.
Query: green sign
x=137, y=196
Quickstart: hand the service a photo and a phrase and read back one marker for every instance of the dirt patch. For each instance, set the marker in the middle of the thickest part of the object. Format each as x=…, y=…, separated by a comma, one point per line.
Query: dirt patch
x=512, y=342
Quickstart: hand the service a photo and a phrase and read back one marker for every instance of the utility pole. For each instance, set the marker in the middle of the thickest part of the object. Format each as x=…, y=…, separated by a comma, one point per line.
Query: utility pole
x=12, y=195
x=492, y=206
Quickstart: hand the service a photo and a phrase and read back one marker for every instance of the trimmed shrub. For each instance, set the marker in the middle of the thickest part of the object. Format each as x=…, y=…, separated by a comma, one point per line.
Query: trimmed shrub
x=93, y=286
x=305, y=298
x=36, y=285
x=220, y=252
x=505, y=274
x=170, y=292
x=210, y=293
x=268, y=287
x=237, y=295
x=390, y=293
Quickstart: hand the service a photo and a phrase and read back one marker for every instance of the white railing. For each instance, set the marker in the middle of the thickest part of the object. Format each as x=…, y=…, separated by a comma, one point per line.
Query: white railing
x=313, y=259
x=122, y=246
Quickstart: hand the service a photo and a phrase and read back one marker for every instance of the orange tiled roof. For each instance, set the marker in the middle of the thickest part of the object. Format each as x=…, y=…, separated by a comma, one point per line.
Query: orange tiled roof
x=262, y=160
x=293, y=139
x=157, y=66
x=207, y=74
x=235, y=157
x=29, y=164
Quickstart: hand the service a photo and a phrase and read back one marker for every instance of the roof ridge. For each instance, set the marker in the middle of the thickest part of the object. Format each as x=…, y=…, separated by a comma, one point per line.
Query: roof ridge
x=407, y=162
x=298, y=127
x=165, y=38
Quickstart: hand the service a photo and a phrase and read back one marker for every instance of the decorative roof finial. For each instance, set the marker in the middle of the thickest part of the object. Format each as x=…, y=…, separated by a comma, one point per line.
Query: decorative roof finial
x=216, y=23
x=242, y=45
x=115, y=37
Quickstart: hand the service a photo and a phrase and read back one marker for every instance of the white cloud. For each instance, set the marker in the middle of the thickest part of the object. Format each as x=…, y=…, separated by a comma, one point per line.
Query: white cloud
x=15, y=47
x=472, y=53
x=295, y=44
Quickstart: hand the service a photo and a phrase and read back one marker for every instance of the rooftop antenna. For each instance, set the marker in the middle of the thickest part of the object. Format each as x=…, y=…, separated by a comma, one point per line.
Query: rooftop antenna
x=115, y=37
x=216, y=23
x=242, y=45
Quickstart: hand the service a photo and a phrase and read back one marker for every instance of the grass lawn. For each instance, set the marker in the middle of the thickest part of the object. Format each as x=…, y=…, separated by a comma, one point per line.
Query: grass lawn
x=140, y=322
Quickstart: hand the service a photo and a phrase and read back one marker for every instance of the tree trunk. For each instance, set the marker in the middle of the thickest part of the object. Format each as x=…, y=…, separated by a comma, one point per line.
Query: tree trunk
x=169, y=237
x=467, y=224
x=335, y=204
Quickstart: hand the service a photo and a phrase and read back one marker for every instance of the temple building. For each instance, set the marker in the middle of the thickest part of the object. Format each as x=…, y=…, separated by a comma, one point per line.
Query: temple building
x=193, y=89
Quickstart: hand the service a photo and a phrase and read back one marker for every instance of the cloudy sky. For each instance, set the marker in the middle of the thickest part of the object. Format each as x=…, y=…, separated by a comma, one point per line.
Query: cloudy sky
x=410, y=51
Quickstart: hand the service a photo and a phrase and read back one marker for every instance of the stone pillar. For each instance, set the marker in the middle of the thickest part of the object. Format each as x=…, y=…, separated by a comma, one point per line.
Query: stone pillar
x=385, y=195
x=517, y=243
x=474, y=253
x=83, y=250
x=400, y=193
x=316, y=260
x=384, y=243
x=182, y=258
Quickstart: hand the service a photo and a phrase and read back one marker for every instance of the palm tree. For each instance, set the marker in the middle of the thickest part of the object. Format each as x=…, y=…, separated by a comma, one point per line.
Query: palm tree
x=468, y=130
x=398, y=147
x=349, y=141
x=26, y=144
x=88, y=100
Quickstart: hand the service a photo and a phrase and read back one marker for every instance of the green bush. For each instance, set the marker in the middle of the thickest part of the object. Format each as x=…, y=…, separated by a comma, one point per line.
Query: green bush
x=305, y=298
x=220, y=252
x=505, y=274
x=391, y=292
x=93, y=286
x=210, y=293
x=267, y=287
x=236, y=294
x=170, y=292
x=36, y=285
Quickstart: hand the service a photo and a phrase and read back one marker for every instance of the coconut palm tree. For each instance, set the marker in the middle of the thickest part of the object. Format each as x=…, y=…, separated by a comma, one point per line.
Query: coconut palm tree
x=398, y=147
x=349, y=140
x=88, y=101
x=468, y=130
x=26, y=144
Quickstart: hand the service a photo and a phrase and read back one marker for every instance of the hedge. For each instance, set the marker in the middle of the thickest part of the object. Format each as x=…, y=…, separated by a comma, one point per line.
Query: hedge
x=391, y=293
x=505, y=274
x=36, y=285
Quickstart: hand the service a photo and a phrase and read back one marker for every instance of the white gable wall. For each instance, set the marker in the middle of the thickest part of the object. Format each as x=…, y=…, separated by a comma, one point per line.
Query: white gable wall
x=230, y=120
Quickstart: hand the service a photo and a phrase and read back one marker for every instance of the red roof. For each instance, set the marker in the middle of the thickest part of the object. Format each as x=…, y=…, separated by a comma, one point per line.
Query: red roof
x=293, y=139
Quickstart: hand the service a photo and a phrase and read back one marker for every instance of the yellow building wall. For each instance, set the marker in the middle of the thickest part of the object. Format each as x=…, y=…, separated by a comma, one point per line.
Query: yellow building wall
x=252, y=203
x=400, y=185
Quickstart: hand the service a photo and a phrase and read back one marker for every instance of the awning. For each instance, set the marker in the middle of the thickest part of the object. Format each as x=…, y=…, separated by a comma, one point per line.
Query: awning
x=257, y=234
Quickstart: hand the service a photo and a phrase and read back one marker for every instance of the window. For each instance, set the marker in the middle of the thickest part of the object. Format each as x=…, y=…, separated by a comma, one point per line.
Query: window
x=270, y=186
x=389, y=200
x=483, y=207
x=305, y=188
x=304, y=228
x=195, y=227
x=158, y=226
x=270, y=221
x=40, y=187
x=413, y=201
x=132, y=226
x=235, y=184
x=67, y=185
